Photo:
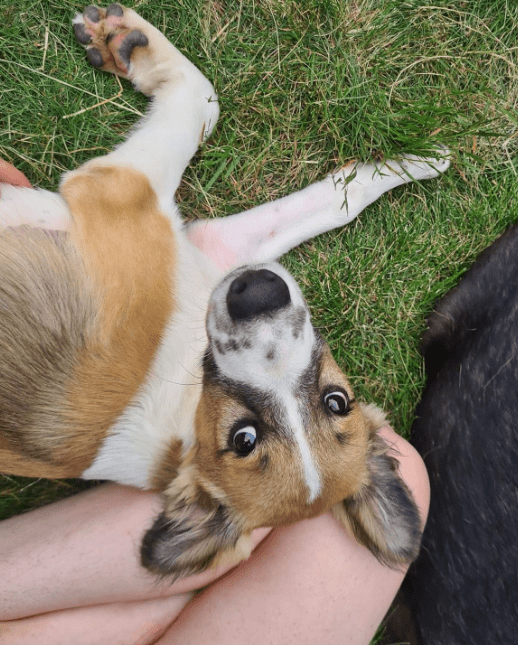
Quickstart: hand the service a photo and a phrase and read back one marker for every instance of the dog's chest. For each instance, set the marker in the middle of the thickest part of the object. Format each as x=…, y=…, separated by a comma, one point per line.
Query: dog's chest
x=163, y=410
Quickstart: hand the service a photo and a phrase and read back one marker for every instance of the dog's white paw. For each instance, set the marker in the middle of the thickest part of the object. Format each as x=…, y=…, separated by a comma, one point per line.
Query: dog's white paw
x=408, y=168
x=357, y=185
x=421, y=167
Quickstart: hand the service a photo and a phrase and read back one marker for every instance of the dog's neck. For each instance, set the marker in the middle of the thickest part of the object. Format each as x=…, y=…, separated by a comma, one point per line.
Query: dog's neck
x=164, y=409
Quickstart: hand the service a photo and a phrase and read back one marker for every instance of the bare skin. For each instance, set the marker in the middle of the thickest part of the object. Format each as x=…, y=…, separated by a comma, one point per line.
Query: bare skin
x=70, y=573
x=11, y=175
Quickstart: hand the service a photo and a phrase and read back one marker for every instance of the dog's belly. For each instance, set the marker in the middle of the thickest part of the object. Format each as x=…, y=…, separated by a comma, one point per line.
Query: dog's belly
x=162, y=410
x=33, y=207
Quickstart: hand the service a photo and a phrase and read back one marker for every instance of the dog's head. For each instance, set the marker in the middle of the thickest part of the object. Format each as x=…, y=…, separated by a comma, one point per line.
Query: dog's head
x=279, y=437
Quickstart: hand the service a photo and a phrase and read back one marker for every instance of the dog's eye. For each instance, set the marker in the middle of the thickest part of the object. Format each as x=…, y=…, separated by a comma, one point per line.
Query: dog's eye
x=244, y=440
x=337, y=402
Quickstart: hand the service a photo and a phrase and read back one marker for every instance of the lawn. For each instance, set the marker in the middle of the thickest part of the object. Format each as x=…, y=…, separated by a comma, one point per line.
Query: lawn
x=305, y=86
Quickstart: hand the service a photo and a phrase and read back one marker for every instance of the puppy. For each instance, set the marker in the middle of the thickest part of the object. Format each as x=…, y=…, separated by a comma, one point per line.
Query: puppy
x=462, y=588
x=107, y=369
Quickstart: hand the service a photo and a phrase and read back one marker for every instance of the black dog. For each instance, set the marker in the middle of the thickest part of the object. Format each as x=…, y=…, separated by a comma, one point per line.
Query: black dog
x=463, y=589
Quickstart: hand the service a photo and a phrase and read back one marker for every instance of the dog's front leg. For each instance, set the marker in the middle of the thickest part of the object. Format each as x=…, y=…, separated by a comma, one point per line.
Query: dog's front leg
x=184, y=106
x=266, y=232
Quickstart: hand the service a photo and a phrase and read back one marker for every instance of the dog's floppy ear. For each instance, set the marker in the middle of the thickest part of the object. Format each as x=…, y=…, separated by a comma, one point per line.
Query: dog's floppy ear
x=194, y=532
x=383, y=515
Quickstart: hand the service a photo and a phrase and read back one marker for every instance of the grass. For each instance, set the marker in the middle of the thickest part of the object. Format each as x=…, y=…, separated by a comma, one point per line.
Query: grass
x=305, y=87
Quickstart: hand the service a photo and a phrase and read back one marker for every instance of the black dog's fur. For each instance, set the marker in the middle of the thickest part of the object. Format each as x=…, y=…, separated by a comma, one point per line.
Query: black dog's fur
x=463, y=589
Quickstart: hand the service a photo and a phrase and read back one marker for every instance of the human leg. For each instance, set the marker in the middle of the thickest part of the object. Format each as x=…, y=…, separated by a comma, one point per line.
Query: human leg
x=83, y=551
x=136, y=623
x=308, y=581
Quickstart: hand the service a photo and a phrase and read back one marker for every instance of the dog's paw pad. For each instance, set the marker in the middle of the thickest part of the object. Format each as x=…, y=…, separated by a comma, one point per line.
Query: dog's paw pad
x=110, y=36
x=115, y=10
x=82, y=34
x=92, y=14
x=128, y=43
x=95, y=58
x=120, y=41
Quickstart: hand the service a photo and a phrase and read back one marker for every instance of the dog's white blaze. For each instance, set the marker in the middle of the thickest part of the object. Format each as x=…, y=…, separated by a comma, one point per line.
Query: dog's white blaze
x=309, y=467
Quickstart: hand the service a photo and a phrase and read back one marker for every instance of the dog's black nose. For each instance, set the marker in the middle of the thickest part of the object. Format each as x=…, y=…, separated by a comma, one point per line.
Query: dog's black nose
x=256, y=292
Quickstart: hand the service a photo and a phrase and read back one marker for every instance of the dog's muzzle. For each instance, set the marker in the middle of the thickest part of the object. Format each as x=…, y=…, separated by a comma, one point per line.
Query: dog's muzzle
x=256, y=292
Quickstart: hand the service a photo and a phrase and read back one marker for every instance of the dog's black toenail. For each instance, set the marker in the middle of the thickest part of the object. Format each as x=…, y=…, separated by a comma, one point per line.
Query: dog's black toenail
x=134, y=39
x=81, y=35
x=92, y=13
x=95, y=57
x=115, y=10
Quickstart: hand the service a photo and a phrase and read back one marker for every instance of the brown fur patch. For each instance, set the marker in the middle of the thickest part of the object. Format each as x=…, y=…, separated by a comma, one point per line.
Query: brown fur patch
x=128, y=249
x=82, y=318
x=12, y=463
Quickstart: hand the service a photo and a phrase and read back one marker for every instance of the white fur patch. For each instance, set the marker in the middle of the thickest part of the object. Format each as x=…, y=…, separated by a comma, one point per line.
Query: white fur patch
x=33, y=207
x=311, y=473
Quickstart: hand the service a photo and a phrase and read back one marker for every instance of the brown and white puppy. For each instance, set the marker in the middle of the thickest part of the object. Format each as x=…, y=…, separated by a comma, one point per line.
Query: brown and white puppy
x=108, y=371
